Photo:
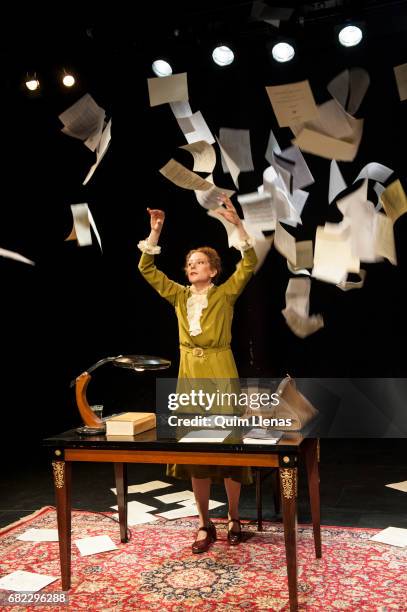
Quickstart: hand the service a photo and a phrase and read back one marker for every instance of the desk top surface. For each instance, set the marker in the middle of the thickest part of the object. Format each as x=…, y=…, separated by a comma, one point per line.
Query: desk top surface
x=148, y=440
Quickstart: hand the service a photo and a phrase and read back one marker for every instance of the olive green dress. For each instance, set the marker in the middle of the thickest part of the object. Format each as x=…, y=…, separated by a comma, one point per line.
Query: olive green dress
x=217, y=361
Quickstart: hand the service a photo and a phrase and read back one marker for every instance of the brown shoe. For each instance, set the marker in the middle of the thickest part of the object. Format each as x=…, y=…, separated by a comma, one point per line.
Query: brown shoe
x=234, y=537
x=200, y=546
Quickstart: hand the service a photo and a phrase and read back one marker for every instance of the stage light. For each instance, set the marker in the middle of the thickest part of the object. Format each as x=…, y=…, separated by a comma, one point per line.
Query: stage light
x=68, y=79
x=161, y=68
x=32, y=83
x=283, y=52
x=223, y=56
x=350, y=35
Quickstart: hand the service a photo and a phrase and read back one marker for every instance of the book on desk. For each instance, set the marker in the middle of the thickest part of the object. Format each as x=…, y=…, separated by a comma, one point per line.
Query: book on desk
x=130, y=423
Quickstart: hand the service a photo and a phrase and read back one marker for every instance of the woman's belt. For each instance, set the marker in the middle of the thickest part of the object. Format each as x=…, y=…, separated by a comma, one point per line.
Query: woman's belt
x=197, y=351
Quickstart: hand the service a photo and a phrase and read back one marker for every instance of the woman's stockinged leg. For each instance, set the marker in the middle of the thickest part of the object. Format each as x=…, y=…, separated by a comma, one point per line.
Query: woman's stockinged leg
x=202, y=488
x=233, y=492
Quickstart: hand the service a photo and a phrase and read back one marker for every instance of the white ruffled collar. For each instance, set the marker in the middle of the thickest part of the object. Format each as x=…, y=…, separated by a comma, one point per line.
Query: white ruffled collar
x=196, y=303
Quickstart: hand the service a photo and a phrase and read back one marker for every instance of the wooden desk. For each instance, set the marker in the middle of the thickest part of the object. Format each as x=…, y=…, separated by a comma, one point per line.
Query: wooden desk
x=69, y=447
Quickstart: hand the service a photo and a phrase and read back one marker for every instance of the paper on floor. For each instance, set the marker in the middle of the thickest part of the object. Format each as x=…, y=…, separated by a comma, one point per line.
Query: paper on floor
x=39, y=535
x=395, y=536
x=135, y=506
x=146, y=487
x=25, y=581
x=138, y=518
x=171, y=498
x=212, y=503
x=95, y=544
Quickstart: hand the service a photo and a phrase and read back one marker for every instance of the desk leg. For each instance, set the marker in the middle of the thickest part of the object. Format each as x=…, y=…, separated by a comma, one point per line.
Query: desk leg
x=62, y=484
x=288, y=480
x=120, y=472
x=311, y=462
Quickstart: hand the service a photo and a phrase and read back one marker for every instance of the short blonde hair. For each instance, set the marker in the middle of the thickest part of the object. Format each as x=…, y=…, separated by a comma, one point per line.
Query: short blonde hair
x=213, y=258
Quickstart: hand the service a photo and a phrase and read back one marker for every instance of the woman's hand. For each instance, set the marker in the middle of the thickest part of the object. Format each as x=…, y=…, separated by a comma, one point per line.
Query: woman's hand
x=156, y=219
x=229, y=212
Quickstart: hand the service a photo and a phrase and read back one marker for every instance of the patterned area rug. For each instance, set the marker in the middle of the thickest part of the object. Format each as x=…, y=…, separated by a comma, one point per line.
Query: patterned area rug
x=157, y=571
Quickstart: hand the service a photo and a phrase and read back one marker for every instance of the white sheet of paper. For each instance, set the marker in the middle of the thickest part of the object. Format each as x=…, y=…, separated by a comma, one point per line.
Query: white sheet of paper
x=135, y=506
x=292, y=103
x=231, y=230
x=237, y=145
x=400, y=72
x=95, y=229
x=39, y=535
x=302, y=326
x=212, y=504
x=181, y=109
x=83, y=119
x=304, y=254
x=285, y=244
x=204, y=155
x=186, y=125
x=94, y=545
x=394, y=200
x=378, y=189
x=201, y=129
x=336, y=182
x=347, y=285
x=93, y=141
x=181, y=176
x=258, y=210
x=81, y=224
x=209, y=198
x=136, y=517
x=16, y=256
x=146, y=487
x=173, y=88
x=100, y=151
x=179, y=513
x=399, y=486
x=384, y=238
x=272, y=147
x=302, y=176
x=329, y=147
x=25, y=581
x=375, y=172
x=395, y=536
x=332, y=120
x=171, y=498
x=332, y=255
x=296, y=312
x=350, y=85
x=230, y=164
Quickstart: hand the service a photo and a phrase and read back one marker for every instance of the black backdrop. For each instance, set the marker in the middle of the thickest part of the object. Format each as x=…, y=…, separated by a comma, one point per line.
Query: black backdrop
x=78, y=305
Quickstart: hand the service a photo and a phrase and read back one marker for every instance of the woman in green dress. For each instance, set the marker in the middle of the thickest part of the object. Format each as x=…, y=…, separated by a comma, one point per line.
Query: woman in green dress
x=204, y=312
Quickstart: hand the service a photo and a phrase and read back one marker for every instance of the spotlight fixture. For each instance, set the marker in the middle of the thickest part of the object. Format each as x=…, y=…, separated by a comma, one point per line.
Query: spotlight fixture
x=68, y=79
x=223, y=55
x=350, y=35
x=283, y=52
x=161, y=68
x=32, y=83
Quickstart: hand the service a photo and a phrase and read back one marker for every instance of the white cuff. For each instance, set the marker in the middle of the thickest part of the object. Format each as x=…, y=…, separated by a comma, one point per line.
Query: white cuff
x=151, y=249
x=243, y=245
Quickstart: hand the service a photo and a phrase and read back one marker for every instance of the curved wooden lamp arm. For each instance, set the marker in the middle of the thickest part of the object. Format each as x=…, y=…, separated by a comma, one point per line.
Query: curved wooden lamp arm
x=88, y=416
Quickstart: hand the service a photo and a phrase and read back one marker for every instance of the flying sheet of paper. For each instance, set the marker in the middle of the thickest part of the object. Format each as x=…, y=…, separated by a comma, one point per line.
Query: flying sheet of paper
x=231, y=230
x=135, y=506
x=181, y=109
x=297, y=269
x=333, y=255
x=212, y=504
x=258, y=210
x=284, y=169
x=304, y=254
x=201, y=129
x=170, y=498
x=399, y=486
x=400, y=72
x=15, y=256
x=101, y=150
x=95, y=544
x=25, y=581
x=204, y=155
x=186, y=125
x=83, y=120
x=394, y=200
x=336, y=182
x=296, y=312
x=347, y=285
x=378, y=189
x=331, y=120
x=94, y=139
x=375, y=172
x=39, y=535
x=292, y=103
x=179, y=513
x=173, y=88
x=350, y=86
x=236, y=143
x=280, y=197
x=302, y=176
x=209, y=198
x=136, y=517
x=81, y=224
x=181, y=176
x=328, y=146
x=298, y=200
x=146, y=487
x=272, y=147
x=285, y=244
x=233, y=168
x=395, y=536
x=384, y=238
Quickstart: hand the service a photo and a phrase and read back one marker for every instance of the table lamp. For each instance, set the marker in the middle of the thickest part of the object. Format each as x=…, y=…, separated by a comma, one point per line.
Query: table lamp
x=137, y=363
